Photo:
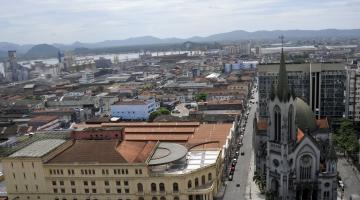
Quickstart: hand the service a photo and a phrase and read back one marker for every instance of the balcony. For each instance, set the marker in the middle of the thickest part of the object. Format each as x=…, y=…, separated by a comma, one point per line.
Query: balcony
x=202, y=189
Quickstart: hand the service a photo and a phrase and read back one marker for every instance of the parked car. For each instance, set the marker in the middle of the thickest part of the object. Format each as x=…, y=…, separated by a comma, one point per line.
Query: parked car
x=230, y=178
x=341, y=184
x=242, y=153
x=237, y=153
x=232, y=168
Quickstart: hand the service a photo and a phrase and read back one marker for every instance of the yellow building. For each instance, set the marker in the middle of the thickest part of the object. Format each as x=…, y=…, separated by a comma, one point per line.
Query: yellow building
x=56, y=169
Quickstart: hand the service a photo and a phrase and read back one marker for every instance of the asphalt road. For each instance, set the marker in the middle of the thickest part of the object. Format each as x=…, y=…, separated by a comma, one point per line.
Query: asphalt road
x=243, y=165
x=350, y=177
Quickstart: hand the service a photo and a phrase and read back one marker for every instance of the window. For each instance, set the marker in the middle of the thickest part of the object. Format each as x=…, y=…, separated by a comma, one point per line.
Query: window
x=154, y=198
x=141, y=198
x=106, y=183
x=176, y=198
x=136, y=171
x=153, y=187
x=118, y=183
x=61, y=182
x=140, y=171
x=86, y=190
x=93, y=190
x=140, y=187
x=162, y=187
x=203, y=179
x=55, y=190
x=72, y=183
x=85, y=183
x=24, y=175
x=162, y=198
x=37, y=187
x=107, y=190
x=196, y=182
x=26, y=186
x=34, y=175
x=277, y=124
x=73, y=190
x=62, y=190
x=53, y=182
x=175, y=187
x=119, y=191
x=189, y=184
x=126, y=182
x=305, y=167
x=32, y=165
x=127, y=190
x=209, y=177
x=290, y=120
x=93, y=183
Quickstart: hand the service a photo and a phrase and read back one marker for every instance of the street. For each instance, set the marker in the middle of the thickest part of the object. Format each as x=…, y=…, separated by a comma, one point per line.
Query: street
x=350, y=177
x=241, y=173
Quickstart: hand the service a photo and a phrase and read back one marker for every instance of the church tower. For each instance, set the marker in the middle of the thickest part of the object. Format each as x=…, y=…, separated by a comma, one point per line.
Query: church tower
x=282, y=135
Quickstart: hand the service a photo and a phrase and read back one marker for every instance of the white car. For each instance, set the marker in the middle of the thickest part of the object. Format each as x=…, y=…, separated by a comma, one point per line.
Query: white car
x=341, y=184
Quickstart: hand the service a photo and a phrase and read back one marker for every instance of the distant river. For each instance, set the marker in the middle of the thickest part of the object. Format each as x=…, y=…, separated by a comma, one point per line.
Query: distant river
x=122, y=57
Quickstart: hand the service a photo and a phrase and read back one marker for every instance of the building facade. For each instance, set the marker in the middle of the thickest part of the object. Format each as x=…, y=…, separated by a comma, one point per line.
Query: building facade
x=321, y=85
x=353, y=93
x=295, y=153
x=56, y=169
x=134, y=109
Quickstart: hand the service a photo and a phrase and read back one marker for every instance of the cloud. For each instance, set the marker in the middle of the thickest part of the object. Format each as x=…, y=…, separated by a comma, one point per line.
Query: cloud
x=34, y=21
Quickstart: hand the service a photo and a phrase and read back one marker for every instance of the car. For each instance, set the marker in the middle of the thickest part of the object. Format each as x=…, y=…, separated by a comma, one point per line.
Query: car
x=238, y=185
x=341, y=184
x=242, y=153
x=237, y=153
x=232, y=168
x=234, y=160
x=230, y=177
x=233, y=164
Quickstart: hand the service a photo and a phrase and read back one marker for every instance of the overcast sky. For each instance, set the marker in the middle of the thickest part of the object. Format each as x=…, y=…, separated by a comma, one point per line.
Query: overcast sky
x=67, y=21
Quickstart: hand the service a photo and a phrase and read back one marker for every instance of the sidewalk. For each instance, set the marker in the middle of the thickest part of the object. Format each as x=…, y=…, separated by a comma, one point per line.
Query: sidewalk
x=252, y=190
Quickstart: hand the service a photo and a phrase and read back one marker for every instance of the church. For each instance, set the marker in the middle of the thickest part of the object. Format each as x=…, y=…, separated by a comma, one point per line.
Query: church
x=293, y=149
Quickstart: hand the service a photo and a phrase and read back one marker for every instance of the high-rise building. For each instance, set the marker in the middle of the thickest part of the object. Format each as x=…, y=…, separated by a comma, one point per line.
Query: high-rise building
x=293, y=149
x=321, y=85
x=352, y=102
x=14, y=71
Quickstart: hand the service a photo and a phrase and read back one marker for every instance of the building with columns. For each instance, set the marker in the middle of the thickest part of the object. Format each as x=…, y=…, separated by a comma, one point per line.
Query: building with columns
x=293, y=149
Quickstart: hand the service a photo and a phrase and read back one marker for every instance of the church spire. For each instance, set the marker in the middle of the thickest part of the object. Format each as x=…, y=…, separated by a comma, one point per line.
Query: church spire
x=283, y=91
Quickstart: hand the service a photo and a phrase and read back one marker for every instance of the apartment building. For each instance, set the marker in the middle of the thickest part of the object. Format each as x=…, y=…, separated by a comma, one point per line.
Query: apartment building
x=353, y=93
x=321, y=85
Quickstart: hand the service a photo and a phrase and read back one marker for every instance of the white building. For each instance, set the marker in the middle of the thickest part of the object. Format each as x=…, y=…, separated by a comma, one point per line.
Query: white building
x=134, y=109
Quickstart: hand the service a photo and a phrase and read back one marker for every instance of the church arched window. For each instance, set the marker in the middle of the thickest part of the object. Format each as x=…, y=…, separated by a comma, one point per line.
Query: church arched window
x=290, y=123
x=305, y=167
x=277, y=123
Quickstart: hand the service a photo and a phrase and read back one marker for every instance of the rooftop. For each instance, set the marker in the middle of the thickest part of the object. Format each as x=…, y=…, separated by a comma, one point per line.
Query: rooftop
x=38, y=148
x=167, y=152
x=105, y=151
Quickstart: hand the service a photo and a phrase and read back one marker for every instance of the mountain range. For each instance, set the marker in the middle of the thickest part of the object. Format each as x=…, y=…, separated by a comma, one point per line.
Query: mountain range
x=221, y=37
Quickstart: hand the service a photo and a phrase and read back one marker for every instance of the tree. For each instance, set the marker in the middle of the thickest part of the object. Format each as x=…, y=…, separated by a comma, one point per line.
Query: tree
x=201, y=97
x=160, y=111
x=345, y=138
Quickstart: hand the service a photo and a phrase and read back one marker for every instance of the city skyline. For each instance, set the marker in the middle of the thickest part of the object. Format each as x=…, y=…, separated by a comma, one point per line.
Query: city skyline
x=56, y=21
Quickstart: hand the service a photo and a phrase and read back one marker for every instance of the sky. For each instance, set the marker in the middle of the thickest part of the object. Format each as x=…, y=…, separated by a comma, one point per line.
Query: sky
x=67, y=21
